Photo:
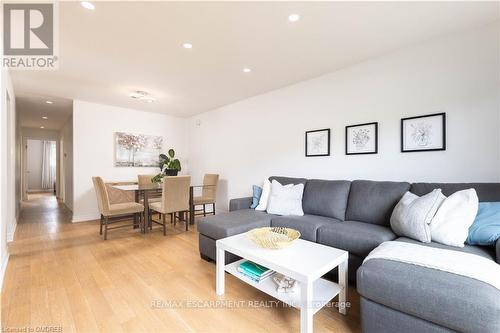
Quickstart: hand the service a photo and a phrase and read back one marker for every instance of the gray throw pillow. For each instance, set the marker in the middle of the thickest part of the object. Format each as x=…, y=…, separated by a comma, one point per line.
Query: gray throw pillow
x=412, y=215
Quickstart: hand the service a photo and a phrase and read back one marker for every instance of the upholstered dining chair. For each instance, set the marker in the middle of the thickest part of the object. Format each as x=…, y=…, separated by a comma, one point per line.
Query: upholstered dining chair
x=208, y=193
x=174, y=199
x=146, y=180
x=113, y=213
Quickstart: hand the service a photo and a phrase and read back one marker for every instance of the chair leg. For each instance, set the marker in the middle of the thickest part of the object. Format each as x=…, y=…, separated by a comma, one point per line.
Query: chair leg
x=204, y=210
x=172, y=218
x=141, y=220
x=100, y=227
x=164, y=225
x=213, y=208
x=186, y=221
x=105, y=227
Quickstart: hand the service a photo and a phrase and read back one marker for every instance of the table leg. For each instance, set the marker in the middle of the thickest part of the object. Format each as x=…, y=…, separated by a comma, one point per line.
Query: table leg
x=191, y=207
x=146, y=212
x=306, y=309
x=344, y=284
x=220, y=271
x=136, y=220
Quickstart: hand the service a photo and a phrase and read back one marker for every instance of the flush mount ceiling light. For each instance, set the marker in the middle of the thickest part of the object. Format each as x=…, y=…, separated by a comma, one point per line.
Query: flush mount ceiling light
x=246, y=70
x=293, y=17
x=187, y=45
x=49, y=102
x=45, y=117
x=42, y=127
x=87, y=5
x=142, y=95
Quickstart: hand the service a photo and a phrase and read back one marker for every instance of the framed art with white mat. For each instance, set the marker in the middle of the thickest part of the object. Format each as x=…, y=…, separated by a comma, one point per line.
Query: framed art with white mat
x=361, y=139
x=423, y=133
x=318, y=142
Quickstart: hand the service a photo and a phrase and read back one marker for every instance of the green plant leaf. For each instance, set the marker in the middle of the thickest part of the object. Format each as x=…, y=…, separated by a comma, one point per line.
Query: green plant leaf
x=171, y=153
x=163, y=157
x=157, y=178
x=175, y=165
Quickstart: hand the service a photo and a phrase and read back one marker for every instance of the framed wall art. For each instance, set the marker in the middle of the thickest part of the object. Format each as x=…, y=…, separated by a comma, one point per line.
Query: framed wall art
x=137, y=150
x=318, y=142
x=423, y=133
x=361, y=139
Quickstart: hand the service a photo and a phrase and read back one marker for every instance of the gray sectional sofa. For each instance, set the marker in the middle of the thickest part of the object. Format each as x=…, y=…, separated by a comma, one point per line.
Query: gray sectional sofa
x=354, y=216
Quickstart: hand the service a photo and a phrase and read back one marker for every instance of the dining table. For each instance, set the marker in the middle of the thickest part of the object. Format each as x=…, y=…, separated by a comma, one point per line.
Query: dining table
x=146, y=190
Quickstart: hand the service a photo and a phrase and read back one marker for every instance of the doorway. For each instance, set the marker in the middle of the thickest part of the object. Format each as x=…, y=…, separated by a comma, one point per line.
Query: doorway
x=41, y=167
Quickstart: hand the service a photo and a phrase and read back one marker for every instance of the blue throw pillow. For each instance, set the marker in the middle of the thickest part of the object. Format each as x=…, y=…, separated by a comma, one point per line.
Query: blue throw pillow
x=257, y=192
x=486, y=227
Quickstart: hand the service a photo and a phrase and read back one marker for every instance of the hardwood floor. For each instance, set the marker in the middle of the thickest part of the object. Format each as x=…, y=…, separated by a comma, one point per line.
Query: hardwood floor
x=65, y=276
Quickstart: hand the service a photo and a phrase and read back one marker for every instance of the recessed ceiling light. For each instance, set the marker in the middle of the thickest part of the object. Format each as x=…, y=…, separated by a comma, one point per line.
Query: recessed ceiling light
x=87, y=5
x=49, y=102
x=187, y=45
x=293, y=17
x=246, y=70
x=45, y=117
x=148, y=99
x=42, y=127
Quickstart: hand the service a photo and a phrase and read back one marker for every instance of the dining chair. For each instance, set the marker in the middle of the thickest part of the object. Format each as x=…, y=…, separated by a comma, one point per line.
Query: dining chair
x=174, y=199
x=208, y=193
x=145, y=180
x=113, y=213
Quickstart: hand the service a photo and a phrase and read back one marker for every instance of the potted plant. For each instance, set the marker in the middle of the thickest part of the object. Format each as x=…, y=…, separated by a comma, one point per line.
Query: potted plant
x=169, y=166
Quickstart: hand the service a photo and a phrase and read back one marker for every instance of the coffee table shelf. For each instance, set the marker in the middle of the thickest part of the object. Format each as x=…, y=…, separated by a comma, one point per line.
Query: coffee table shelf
x=323, y=290
x=304, y=261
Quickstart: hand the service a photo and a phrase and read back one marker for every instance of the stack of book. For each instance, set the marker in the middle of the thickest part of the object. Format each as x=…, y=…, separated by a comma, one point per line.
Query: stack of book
x=254, y=271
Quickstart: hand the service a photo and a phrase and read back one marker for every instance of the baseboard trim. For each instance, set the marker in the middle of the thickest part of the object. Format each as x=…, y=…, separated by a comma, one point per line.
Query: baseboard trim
x=3, y=269
x=85, y=218
x=10, y=235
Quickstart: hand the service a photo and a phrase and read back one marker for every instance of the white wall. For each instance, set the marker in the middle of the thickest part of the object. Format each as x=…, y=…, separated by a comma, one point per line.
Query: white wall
x=264, y=135
x=94, y=126
x=66, y=162
x=7, y=168
x=34, y=164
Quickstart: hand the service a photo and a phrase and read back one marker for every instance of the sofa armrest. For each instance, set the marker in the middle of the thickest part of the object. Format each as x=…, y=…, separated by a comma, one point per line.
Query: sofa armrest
x=498, y=251
x=240, y=203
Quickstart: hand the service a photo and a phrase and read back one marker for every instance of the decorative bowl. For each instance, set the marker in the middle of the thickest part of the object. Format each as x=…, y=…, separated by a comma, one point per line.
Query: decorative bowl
x=273, y=237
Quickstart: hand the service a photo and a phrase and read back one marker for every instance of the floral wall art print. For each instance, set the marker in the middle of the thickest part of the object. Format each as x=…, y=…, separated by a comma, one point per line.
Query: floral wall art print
x=423, y=133
x=361, y=139
x=137, y=150
x=318, y=142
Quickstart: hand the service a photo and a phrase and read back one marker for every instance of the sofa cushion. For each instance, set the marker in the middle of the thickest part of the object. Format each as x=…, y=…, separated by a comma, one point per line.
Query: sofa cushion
x=288, y=180
x=453, y=301
x=497, y=250
x=355, y=237
x=326, y=198
x=233, y=223
x=307, y=225
x=373, y=202
x=486, y=192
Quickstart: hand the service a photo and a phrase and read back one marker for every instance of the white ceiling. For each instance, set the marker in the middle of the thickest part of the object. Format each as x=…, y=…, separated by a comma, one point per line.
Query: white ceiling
x=31, y=108
x=124, y=46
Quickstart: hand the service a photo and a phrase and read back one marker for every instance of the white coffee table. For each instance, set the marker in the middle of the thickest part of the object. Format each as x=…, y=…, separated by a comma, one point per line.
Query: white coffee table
x=303, y=261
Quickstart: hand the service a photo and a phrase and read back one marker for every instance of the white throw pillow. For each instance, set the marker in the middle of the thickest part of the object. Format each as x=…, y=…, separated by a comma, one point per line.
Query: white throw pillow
x=285, y=200
x=412, y=215
x=266, y=192
x=264, y=197
x=450, y=225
